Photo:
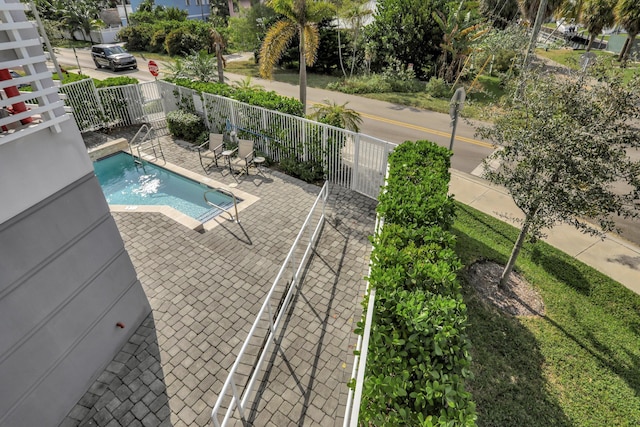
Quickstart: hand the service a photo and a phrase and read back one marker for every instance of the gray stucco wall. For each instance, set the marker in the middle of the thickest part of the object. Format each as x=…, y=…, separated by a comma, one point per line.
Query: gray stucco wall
x=65, y=281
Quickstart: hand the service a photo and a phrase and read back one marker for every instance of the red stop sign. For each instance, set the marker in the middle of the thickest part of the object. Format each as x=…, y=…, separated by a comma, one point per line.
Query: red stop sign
x=153, y=68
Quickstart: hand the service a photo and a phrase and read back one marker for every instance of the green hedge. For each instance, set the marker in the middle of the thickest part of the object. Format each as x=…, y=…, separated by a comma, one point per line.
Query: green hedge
x=418, y=356
x=261, y=98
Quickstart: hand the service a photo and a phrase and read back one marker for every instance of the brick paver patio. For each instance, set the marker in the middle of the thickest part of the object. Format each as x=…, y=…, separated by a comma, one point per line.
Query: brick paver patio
x=205, y=290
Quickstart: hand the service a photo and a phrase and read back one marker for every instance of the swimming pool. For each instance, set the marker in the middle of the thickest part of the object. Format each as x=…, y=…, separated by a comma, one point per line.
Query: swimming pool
x=125, y=183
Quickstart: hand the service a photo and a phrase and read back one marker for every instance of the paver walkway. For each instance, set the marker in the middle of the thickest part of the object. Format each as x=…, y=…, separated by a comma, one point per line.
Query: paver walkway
x=205, y=291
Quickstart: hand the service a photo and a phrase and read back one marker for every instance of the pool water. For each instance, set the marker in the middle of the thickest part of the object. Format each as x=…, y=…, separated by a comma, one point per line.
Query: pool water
x=125, y=183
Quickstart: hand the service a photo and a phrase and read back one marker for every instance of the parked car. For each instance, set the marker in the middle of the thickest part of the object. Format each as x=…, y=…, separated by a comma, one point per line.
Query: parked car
x=113, y=56
x=15, y=75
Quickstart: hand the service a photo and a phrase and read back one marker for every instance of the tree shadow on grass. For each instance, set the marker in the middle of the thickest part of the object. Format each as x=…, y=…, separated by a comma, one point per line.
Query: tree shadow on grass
x=561, y=270
x=509, y=386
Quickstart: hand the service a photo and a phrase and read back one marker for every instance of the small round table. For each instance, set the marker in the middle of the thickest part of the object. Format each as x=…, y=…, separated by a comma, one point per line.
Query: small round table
x=259, y=161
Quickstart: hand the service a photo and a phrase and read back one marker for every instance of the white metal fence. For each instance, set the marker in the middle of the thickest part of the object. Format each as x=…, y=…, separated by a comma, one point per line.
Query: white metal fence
x=352, y=160
x=236, y=392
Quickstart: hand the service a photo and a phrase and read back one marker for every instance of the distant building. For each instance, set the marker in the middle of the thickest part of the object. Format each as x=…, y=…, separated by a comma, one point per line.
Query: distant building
x=196, y=9
x=67, y=284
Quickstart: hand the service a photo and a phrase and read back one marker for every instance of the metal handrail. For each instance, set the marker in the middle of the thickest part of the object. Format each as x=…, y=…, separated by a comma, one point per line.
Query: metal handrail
x=239, y=400
x=144, y=126
x=225, y=210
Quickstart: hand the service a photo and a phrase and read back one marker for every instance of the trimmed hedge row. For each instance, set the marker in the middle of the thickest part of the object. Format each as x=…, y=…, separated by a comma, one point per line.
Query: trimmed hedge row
x=418, y=356
x=261, y=98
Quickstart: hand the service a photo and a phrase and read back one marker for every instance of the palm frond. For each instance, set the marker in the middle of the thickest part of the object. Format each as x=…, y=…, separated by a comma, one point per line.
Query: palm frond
x=312, y=43
x=273, y=46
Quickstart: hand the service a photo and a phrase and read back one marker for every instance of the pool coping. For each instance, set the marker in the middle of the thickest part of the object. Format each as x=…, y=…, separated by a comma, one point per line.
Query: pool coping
x=246, y=199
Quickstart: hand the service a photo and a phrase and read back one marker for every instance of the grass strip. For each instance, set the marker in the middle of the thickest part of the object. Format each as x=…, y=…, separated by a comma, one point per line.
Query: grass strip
x=579, y=365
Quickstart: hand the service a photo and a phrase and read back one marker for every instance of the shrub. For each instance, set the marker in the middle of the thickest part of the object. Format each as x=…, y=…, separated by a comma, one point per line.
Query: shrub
x=437, y=88
x=418, y=356
x=373, y=83
x=185, y=125
x=258, y=97
x=115, y=81
x=70, y=77
x=181, y=42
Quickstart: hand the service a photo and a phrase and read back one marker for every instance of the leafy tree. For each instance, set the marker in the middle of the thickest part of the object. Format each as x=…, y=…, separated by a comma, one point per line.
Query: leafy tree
x=337, y=115
x=219, y=12
x=405, y=30
x=503, y=46
x=352, y=14
x=459, y=36
x=82, y=16
x=596, y=15
x=628, y=17
x=299, y=18
x=246, y=32
x=563, y=147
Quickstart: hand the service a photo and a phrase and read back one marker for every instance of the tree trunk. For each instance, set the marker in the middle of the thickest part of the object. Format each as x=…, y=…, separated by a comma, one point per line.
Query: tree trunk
x=624, y=49
x=303, y=72
x=591, y=39
x=628, y=46
x=514, y=254
x=355, y=47
x=220, y=64
x=344, y=73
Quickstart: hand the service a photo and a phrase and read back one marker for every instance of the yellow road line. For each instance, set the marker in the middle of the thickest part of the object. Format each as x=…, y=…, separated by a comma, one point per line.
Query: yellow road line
x=427, y=130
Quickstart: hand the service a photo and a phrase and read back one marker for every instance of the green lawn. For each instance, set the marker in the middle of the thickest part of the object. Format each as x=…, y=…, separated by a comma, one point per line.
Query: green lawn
x=577, y=366
x=571, y=58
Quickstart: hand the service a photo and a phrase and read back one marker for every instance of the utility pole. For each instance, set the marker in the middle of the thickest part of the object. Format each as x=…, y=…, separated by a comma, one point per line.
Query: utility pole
x=126, y=14
x=536, y=29
x=43, y=34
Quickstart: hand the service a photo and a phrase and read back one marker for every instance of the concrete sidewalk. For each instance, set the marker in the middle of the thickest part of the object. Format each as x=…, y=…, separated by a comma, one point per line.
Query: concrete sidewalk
x=612, y=255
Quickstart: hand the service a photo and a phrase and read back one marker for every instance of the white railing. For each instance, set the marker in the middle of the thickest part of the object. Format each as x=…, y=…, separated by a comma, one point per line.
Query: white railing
x=237, y=389
x=354, y=398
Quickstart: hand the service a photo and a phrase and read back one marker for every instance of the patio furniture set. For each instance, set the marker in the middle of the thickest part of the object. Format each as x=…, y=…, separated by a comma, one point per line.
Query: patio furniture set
x=238, y=155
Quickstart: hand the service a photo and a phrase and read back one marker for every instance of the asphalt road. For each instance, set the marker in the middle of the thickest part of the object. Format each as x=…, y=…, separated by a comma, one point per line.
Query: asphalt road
x=383, y=120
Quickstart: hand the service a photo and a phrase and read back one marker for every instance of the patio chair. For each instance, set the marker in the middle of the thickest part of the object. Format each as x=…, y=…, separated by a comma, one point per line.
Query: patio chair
x=245, y=156
x=210, y=151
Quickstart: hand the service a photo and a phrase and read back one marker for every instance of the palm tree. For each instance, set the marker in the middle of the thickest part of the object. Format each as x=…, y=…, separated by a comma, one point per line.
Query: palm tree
x=217, y=45
x=628, y=17
x=300, y=18
x=337, y=115
x=82, y=16
x=529, y=8
x=596, y=15
x=353, y=13
x=246, y=84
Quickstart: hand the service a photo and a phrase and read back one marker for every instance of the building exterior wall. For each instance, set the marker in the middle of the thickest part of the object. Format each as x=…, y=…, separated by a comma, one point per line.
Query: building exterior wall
x=66, y=280
x=196, y=9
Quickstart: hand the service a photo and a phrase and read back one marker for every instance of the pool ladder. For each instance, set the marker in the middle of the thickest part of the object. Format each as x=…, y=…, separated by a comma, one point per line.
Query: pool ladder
x=225, y=210
x=147, y=138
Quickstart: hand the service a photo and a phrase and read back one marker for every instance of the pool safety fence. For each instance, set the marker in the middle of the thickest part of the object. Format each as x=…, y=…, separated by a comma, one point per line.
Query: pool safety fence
x=350, y=159
x=237, y=391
